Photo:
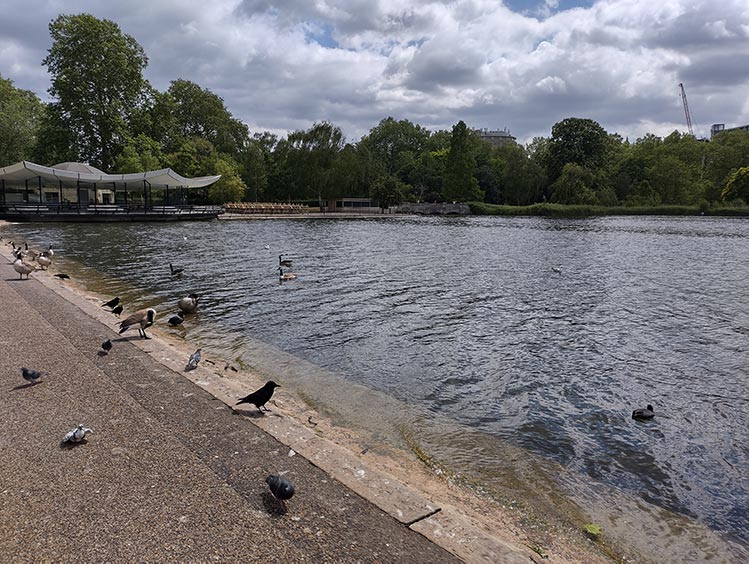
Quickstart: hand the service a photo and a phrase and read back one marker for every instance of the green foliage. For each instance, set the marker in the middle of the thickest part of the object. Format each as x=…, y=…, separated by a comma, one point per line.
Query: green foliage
x=574, y=186
x=575, y=140
x=737, y=186
x=388, y=139
x=459, y=184
x=21, y=114
x=139, y=154
x=592, y=530
x=388, y=191
x=97, y=81
x=230, y=187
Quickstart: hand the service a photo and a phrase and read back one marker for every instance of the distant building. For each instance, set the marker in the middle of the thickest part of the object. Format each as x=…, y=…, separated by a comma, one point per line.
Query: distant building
x=721, y=127
x=496, y=138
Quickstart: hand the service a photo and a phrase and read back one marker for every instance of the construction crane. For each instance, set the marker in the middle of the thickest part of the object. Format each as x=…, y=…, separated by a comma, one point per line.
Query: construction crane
x=686, y=109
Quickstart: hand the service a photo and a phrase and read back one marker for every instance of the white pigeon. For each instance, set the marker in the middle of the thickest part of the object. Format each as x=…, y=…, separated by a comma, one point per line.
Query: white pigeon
x=77, y=435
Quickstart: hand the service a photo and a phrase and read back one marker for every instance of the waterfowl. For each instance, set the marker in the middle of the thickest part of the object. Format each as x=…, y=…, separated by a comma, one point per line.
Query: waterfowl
x=176, y=319
x=643, y=414
x=44, y=261
x=284, y=262
x=188, y=304
x=285, y=275
x=175, y=271
x=143, y=318
x=22, y=268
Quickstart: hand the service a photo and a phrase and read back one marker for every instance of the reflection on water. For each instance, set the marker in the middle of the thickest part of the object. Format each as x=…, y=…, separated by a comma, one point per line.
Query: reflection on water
x=542, y=333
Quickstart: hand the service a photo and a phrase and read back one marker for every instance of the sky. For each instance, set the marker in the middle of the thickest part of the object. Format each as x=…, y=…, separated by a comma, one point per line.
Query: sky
x=520, y=65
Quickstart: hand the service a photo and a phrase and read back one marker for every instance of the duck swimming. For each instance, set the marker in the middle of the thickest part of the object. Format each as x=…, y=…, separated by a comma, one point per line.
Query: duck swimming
x=643, y=414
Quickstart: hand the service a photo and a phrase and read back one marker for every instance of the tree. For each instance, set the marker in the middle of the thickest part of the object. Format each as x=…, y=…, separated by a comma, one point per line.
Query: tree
x=230, y=187
x=139, y=154
x=737, y=187
x=311, y=156
x=98, y=83
x=574, y=186
x=21, y=114
x=388, y=191
x=459, y=184
x=388, y=139
x=576, y=140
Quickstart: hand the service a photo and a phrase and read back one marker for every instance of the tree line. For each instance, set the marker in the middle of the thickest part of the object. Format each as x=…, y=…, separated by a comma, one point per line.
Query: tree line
x=104, y=112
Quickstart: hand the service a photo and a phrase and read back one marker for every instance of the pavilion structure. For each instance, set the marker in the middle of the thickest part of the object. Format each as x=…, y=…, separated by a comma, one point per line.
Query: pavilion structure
x=80, y=192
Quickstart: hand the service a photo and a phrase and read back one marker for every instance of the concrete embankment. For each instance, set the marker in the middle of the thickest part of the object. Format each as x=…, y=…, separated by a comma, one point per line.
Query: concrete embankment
x=171, y=471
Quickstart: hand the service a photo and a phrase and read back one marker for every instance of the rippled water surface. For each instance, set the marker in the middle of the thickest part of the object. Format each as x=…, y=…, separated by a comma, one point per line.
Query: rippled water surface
x=543, y=334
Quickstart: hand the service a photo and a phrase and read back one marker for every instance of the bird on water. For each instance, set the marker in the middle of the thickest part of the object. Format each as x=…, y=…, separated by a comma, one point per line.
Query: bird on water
x=143, y=319
x=643, y=414
x=188, y=304
x=176, y=319
x=284, y=262
x=260, y=397
x=282, y=276
x=175, y=271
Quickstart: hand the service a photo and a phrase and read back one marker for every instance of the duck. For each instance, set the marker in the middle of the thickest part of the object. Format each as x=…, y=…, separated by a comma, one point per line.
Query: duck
x=284, y=262
x=643, y=414
x=22, y=268
x=285, y=275
x=175, y=271
x=188, y=304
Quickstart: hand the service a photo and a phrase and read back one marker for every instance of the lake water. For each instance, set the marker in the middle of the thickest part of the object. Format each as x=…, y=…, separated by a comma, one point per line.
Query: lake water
x=481, y=339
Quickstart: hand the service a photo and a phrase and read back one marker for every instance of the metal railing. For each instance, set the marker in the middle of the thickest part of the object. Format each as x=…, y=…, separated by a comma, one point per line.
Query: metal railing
x=66, y=208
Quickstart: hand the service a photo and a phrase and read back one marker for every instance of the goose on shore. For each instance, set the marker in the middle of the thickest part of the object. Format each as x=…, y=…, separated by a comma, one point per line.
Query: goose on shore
x=188, y=304
x=44, y=261
x=22, y=268
x=282, y=276
x=143, y=318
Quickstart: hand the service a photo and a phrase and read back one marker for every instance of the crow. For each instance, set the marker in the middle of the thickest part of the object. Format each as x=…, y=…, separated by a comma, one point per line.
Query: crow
x=107, y=346
x=643, y=414
x=260, y=397
x=31, y=375
x=176, y=319
x=281, y=488
x=63, y=276
x=111, y=303
x=117, y=310
x=143, y=318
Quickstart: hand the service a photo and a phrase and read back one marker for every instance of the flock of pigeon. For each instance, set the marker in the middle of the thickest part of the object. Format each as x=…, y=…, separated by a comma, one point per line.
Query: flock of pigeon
x=281, y=488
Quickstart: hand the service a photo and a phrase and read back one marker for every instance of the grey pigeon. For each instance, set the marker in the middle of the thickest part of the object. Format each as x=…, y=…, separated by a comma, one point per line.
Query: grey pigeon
x=31, y=375
x=76, y=435
x=260, y=397
x=192, y=363
x=281, y=488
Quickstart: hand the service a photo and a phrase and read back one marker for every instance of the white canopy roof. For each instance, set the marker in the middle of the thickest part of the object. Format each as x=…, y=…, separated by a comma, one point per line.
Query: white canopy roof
x=71, y=173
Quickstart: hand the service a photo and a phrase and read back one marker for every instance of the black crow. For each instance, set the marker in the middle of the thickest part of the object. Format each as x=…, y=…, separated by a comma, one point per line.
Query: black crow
x=111, y=303
x=107, y=346
x=281, y=488
x=31, y=375
x=643, y=414
x=143, y=318
x=260, y=397
x=63, y=276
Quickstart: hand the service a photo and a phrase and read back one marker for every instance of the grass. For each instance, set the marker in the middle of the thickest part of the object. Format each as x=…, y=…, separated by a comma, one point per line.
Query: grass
x=576, y=211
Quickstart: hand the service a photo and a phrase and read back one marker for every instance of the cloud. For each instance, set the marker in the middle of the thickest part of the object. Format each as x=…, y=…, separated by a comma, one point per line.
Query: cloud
x=284, y=65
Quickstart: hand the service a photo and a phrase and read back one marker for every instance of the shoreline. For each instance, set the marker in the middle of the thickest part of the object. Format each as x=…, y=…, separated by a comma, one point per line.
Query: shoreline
x=513, y=523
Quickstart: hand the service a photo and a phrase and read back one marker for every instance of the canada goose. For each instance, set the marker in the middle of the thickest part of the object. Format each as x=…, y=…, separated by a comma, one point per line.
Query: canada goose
x=285, y=275
x=175, y=271
x=643, y=414
x=188, y=304
x=22, y=268
x=49, y=252
x=44, y=261
x=143, y=318
x=284, y=262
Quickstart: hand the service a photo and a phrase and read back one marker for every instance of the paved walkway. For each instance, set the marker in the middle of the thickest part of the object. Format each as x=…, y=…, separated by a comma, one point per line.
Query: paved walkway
x=170, y=473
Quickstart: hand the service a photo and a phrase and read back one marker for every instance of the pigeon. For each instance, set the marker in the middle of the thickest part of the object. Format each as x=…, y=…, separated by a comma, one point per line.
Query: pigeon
x=176, y=319
x=143, y=318
x=260, y=397
x=188, y=304
x=175, y=271
x=62, y=276
x=111, y=303
x=117, y=310
x=77, y=435
x=281, y=488
x=193, y=361
x=107, y=346
x=643, y=414
x=31, y=375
